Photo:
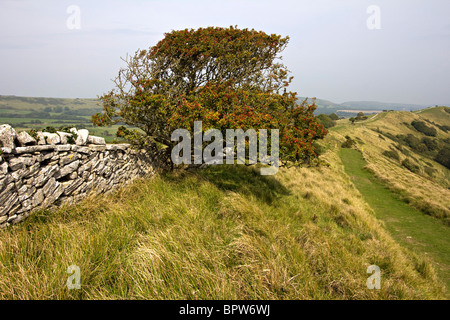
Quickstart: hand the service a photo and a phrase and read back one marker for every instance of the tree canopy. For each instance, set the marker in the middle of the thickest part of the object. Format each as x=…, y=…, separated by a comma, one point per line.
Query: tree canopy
x=228, y=78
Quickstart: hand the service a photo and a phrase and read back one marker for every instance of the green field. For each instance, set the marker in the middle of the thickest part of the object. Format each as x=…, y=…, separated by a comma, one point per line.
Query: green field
x=25, y=113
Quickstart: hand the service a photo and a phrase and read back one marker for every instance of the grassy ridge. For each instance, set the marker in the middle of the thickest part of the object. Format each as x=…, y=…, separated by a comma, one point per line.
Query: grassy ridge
x=225, y=232
x=408, y=225
x=428, y=193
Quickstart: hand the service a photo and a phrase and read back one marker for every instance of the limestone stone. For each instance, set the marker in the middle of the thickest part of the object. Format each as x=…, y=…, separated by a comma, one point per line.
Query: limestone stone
x=6, y=150
x=82, y=137
x=9, y=203
x=38, y=197
x=63, y=147
x=51, y=198
x=72, y=185
x=67, y=169
x=19, y=163
x=64, y=136
x=41, y=138
x=52, y=138
x=32, y=149
x=68, y=159
x=55, y=172
x=25, y=139
x=46, y=174
x=4, y=168
x=50, y=187
x=7, y=136
x=33, y=170
x=96, y=140
x=97, y=148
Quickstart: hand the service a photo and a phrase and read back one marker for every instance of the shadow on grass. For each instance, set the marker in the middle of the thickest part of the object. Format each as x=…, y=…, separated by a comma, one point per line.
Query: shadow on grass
x=240, y=179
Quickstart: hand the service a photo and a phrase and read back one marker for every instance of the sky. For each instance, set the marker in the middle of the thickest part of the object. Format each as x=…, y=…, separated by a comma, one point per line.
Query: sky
x=377, y=50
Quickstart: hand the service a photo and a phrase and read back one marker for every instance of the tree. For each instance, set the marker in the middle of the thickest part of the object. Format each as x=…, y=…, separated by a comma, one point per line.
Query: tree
x=352, y=119
x=226, y=77
x=334, y=116
x=326, y=121
x=443, y=157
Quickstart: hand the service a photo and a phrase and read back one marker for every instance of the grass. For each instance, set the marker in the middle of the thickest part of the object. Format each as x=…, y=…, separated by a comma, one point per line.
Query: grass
x=428, y=193
x=225, y=232
x=408, y=225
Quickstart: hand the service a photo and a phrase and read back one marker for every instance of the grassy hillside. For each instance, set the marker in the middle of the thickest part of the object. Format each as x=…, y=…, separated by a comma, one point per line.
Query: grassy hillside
x=405, y=168
x=421, y=221
x=225, y=232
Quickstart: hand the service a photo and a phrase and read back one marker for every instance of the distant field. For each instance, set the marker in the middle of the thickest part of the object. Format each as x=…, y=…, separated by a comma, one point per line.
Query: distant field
x=364, y=111
x=25, y=113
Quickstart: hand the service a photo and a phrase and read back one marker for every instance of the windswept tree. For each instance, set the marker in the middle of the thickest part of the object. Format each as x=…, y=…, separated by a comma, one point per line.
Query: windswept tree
x=228, y=78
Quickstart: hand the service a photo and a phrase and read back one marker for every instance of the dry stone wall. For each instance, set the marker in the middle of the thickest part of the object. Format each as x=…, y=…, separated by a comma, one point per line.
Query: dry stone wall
x=48, y=171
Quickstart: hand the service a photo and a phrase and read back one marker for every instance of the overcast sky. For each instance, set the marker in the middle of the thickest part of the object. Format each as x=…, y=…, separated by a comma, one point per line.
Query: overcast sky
x=332, y=52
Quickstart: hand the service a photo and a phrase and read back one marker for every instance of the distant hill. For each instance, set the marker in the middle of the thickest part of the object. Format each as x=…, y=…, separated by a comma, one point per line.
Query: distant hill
x=328, y=107
x=376, y=105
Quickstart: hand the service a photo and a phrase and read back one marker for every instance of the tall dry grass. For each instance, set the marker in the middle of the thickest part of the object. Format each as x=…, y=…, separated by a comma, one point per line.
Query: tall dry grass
x=225, y=232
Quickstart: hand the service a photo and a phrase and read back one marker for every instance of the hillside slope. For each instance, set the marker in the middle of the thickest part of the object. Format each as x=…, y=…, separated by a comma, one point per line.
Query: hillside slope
x=396, y=153
x=225, y=232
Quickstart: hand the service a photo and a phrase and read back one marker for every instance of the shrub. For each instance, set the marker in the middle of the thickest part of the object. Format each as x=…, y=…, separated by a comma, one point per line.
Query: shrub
x=349, y=142
x=423, y=128
x=430, y=143
x=227, y=78
x=429, y=171
x=410, y=166
x=443, y=157
x=326, y=121
x=334, y=116
x=392, y=154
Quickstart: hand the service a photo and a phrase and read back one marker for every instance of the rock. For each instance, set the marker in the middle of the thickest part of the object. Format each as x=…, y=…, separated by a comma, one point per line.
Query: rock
x=67, y=169
x=25, y=139
x=63, y=147
x=96, y=148
x=32, y=149
x=73, y=175
x=52, y=138
x=21, y=162
x=51, y=198
x=38, y=197
x=16, y=164
x=50, y=187
x=96, y=140
x=6, y=150
x=32, y=170
x=79, y=149
x=72, y=186
x=41, y=138
x=64, y=137
x=9, y=203
x=4, y=168
x=45, y=175
x=68, y=159
x=82, y=137
x=7, y=136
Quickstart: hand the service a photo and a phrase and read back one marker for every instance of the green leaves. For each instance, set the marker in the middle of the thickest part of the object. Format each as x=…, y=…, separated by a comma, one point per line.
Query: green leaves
x=228, y=78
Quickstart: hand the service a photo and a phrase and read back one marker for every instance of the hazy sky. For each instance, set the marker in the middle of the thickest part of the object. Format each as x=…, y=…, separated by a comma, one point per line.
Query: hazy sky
x=332, y=53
